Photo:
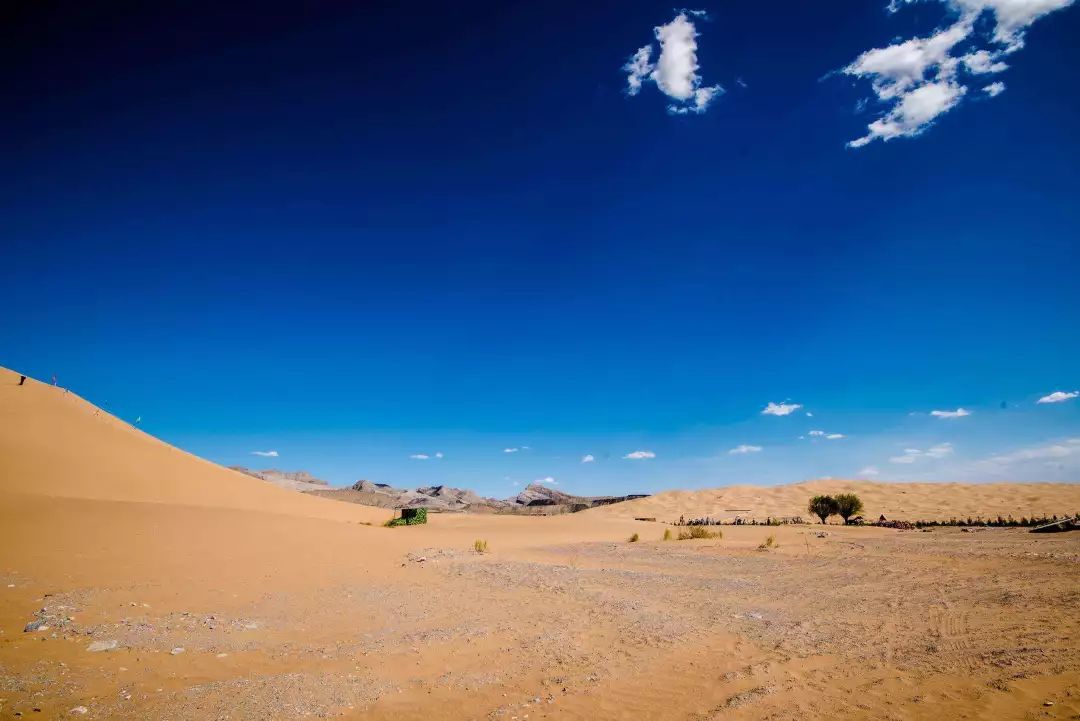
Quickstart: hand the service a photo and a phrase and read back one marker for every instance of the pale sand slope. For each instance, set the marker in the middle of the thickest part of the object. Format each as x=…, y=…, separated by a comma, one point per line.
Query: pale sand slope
x=898, y=501
x=286, y=606
x=54, y=443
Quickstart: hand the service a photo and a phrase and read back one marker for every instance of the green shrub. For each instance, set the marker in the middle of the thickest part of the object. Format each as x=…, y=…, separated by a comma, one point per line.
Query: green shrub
x=823, y=507
x=635, y=538
x=770, y=542
x=480, y=545
x=667, y=534
x=848, y=505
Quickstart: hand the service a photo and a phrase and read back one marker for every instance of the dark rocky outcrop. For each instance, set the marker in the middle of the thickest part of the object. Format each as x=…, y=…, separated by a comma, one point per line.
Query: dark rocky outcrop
x=438, y=498
x=536, y=498
x=539, y=496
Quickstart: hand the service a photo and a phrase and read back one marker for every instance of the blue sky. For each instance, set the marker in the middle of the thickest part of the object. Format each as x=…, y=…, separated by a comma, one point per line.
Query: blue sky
x=354, y=235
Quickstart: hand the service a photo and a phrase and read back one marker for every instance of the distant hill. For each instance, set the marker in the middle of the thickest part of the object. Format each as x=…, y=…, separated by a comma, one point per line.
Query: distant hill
x=535, y=499
x=539, y=496
x=295, y=480
x=382, y=495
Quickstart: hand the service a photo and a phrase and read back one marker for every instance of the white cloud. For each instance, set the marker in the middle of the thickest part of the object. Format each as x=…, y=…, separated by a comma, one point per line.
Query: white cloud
x=982, y=62
x=639, y=455
x=702, y=98
x=1059, y=397
x=911, y=455
x=920, y=78
x=265, y=454
x=898, y=69
x=739, y=450
x=868, y=471
x=780, y=409
x=1050, y=460
x=827, y=436
x=809, y=414
x=439, y=454
x=511, y=450
x=548, y=480
x=958, y=413
x=676, y=68
x=638, y=69
x=913, y=112
x=588, y=458
x=1065, y=449
x=940, y=451
x=419, y=456
x=1012, y=16
x=675, y=72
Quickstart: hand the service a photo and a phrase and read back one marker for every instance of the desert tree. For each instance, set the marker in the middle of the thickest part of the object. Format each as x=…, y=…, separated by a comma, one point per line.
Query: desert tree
x=822, y=507
x=848, y=505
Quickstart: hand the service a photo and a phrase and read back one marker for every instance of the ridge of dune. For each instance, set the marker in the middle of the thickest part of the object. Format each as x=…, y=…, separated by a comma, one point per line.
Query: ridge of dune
x=902, y=501
x=54, y=443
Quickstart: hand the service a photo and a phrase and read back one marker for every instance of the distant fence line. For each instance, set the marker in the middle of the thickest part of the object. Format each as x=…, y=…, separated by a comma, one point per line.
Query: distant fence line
x=972, y=521
x=709, y=521
x=999, y=522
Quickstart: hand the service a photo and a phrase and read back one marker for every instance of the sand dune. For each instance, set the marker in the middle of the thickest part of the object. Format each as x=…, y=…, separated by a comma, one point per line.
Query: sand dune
x=218, y=595
x=54, y=443
x=898, y=501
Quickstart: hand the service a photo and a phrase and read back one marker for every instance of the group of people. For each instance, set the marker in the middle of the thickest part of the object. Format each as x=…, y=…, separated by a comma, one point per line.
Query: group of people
x=97, y=411
x=22, y=379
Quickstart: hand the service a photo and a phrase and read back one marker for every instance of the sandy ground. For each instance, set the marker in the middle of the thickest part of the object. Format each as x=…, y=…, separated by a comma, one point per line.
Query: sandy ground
x=218, y=596
x=903, y=501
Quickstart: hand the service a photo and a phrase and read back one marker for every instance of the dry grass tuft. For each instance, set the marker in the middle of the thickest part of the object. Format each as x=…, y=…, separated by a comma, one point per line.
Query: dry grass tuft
x=699, y=532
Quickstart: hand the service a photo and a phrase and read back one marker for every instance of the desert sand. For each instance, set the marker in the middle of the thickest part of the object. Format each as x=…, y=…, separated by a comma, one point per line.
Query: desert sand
x=216, y=595
x=903, y=501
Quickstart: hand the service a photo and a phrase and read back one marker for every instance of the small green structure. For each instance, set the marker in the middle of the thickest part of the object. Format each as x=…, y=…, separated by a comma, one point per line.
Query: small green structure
x=410, y=517
x=414, y=516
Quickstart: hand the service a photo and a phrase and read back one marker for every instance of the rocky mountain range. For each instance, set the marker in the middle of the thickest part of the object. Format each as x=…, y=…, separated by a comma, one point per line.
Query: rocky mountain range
x=535, y=499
